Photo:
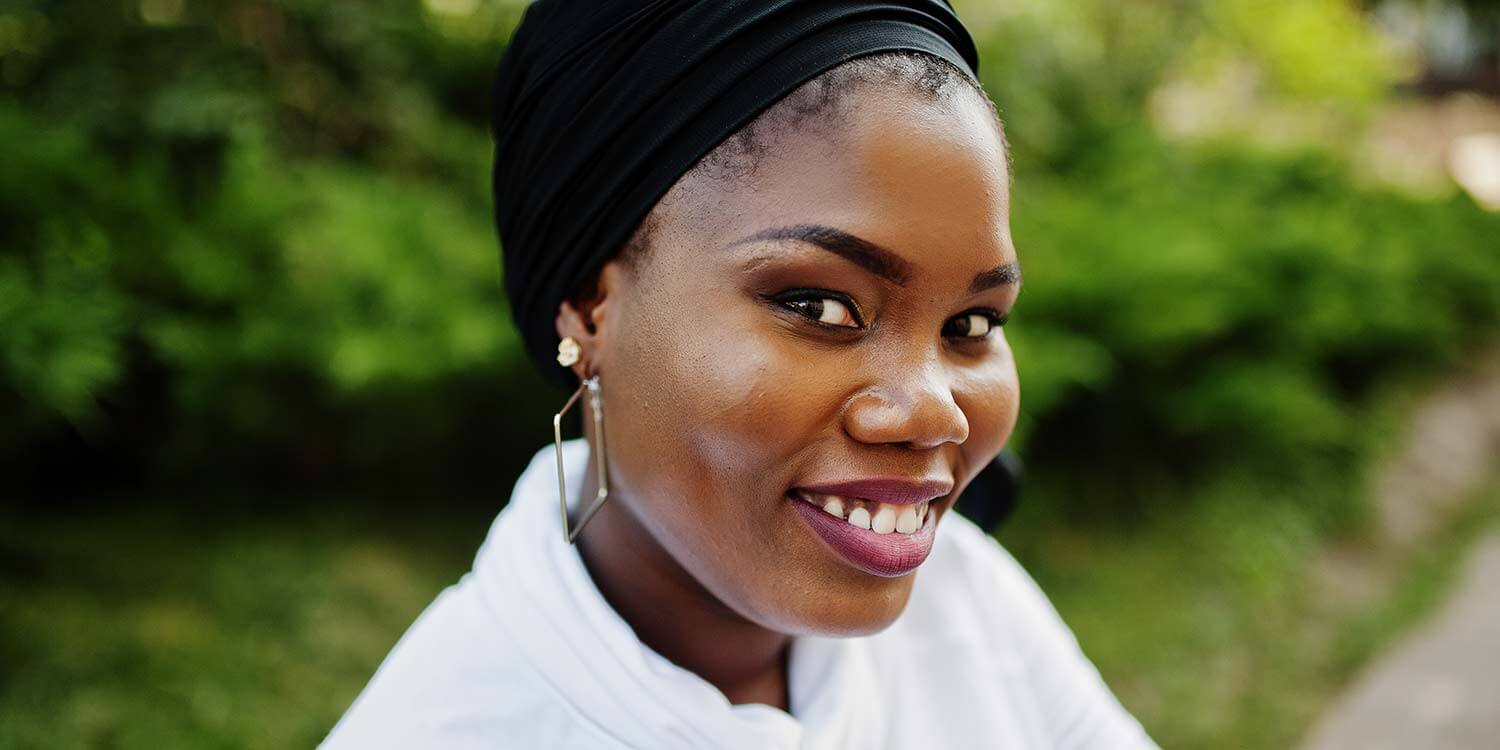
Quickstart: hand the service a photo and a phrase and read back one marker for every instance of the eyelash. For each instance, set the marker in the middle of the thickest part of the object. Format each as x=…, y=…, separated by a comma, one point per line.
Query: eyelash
x=796, y=300
x=993, y=319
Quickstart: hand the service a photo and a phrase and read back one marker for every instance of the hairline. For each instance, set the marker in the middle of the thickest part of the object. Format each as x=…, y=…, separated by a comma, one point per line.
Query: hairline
x=786, y=113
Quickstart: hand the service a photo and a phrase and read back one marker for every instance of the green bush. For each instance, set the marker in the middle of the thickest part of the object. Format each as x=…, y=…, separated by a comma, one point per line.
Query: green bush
x=256, y=234
x=258, y=237
x=1192, y=310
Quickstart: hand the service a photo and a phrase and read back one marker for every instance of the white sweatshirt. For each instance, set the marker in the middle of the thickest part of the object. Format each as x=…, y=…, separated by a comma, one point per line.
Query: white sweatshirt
x=524, y=652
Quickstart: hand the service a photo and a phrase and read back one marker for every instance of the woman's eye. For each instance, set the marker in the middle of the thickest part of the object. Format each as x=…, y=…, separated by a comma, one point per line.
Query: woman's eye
x=971, y=325
x=825, y=310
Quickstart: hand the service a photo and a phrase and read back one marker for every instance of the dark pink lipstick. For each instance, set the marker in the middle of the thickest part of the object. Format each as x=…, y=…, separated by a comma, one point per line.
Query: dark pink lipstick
x=887, y=555
x=893, y=491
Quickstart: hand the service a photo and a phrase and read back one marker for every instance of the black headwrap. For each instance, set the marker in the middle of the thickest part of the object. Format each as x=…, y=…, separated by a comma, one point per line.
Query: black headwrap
x=602, y=105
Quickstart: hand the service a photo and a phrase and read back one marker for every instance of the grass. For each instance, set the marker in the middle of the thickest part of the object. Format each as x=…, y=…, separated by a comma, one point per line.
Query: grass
x=149, y=627
x=254, y=624
x=1216, y=629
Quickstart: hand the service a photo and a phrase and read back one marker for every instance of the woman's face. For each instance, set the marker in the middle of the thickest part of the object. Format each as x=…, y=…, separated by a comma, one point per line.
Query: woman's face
x=825, y=325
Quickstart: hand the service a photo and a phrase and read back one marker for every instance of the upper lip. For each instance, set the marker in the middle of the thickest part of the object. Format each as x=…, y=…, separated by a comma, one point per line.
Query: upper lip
x=894, y=490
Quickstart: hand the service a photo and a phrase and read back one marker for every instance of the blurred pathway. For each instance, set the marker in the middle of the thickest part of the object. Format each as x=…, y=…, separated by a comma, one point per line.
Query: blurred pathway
x=1439, y=687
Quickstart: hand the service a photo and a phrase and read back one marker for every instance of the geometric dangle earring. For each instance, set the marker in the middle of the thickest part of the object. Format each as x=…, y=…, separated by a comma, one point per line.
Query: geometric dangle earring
x=567, y=356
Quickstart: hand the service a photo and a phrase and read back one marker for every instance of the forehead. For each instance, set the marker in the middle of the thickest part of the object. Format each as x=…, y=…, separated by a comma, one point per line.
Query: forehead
x=927, y=179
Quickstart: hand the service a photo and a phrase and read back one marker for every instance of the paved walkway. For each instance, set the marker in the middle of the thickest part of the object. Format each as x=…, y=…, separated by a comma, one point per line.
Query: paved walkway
x=1439, y=689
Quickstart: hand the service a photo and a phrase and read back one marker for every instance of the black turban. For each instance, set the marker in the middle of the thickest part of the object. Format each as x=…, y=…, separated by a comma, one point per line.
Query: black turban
x=601, y=105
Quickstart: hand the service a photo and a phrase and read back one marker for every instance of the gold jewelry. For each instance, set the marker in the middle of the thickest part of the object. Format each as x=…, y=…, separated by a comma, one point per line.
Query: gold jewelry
x=601, y=465
x=568, y=351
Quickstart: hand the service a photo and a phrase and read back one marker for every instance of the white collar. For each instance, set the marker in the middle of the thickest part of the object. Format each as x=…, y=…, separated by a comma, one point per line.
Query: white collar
x=536, y=585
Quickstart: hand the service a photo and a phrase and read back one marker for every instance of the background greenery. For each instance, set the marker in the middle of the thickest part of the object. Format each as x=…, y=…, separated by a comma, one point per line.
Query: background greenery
x=260, y=395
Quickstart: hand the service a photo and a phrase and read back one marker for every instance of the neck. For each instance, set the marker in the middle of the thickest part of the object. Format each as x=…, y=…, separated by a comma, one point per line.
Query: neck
x=673, y=614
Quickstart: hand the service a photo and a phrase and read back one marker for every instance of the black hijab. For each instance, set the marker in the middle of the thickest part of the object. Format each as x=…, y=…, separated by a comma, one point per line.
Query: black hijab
x=601, y=105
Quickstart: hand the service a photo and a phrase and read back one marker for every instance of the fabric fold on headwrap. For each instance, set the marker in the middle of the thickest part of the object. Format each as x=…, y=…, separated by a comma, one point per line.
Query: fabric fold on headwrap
x=601, y=105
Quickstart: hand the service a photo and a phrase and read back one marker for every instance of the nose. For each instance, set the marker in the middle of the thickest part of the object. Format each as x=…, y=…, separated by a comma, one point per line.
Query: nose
x=914, y=407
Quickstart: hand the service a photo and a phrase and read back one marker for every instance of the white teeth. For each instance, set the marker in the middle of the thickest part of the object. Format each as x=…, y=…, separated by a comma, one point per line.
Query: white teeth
x=859, y=517
x=882, y=518
x=907, y=522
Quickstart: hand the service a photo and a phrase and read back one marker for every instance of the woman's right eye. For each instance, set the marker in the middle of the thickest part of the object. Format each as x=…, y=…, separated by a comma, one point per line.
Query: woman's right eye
x=829, y=311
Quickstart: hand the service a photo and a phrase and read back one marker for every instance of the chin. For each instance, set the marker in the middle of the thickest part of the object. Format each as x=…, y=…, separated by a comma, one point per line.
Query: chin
x=846, y=612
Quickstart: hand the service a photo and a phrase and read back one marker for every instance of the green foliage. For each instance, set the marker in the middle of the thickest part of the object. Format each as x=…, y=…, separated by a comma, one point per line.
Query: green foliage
x=274, y=221
x=61, y=320
x=1315, y=49
x=256, y=235
x=1198, y=309
x=266, y=236
x=1238, y=310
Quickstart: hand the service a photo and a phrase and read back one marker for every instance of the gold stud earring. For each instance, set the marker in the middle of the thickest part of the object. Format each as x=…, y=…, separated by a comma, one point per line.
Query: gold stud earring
x=568, y=351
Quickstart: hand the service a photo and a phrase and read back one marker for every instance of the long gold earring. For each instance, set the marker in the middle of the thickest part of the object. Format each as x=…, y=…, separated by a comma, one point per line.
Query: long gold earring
x=601, y=463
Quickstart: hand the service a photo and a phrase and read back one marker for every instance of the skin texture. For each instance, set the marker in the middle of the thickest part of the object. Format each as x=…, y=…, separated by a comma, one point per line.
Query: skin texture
x=720, y=396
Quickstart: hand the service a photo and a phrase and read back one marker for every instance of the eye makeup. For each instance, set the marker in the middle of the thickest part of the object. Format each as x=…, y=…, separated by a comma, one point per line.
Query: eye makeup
x=974, y=324
x=822, y=307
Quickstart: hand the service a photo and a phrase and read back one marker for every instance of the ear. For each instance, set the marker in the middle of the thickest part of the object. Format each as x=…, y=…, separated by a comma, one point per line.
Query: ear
x=589, y=317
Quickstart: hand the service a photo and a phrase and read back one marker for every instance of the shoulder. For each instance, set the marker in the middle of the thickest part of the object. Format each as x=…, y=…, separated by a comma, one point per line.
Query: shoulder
x=451, y=681
x=973, y=594
x=971, y=576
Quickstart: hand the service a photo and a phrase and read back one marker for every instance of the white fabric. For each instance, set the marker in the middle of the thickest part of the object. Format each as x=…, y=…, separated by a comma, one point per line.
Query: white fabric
x=523, y=652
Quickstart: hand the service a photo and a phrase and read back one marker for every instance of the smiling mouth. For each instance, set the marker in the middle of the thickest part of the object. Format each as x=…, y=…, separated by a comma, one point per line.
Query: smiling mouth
x=879, y=517
x=884, y=543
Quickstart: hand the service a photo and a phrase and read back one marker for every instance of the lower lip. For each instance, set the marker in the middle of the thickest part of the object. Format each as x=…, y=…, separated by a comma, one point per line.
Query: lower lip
x=887, y=555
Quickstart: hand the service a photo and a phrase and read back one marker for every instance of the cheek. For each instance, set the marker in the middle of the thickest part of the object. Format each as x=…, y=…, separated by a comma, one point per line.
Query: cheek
x=747, y=404
x=714, y=407
x=990, y=397
x=715, y=411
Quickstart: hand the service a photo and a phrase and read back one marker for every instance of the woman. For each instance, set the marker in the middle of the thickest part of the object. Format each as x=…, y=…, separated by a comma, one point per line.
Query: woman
x=771, y=240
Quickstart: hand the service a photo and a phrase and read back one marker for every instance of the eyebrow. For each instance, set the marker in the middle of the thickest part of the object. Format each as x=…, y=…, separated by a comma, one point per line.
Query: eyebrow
x=872, y=257
x=1003, y=275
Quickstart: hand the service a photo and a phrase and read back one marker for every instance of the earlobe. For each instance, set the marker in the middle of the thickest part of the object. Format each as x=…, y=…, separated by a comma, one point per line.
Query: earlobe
x=583, y=318
x=578, y=339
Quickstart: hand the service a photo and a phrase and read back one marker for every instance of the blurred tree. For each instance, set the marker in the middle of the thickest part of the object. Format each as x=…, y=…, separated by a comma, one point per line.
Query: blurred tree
x=256, y=234
x=242, y=219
